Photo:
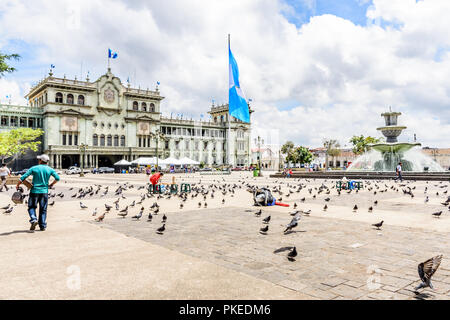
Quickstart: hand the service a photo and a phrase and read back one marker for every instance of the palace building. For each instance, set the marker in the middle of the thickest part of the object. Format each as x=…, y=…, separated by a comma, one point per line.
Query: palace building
x=95, y=124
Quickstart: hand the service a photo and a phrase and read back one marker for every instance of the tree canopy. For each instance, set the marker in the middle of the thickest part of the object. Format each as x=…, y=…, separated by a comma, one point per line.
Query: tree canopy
x=17, y=142
x=296, y=154
x=4, y=66
x=361, y=143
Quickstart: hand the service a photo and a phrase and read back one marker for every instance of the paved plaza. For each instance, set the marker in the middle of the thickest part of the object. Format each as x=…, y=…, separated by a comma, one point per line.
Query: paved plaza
x=218, y=253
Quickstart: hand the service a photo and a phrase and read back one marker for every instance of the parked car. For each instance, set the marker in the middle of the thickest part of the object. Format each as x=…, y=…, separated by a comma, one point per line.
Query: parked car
x=73, y=170
x=105, y=170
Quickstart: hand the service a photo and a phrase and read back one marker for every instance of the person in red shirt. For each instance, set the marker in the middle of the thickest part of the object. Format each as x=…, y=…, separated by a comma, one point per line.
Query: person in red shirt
x=155, y=178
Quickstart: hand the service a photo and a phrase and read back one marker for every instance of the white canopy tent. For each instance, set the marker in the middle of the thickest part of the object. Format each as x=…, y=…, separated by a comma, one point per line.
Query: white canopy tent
x=187, y=161
x=145, y=161
x=170, y=161
x=122, y=162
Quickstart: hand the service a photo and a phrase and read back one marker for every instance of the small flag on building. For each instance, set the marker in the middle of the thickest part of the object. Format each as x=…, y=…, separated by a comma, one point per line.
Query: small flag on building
x=112, y=55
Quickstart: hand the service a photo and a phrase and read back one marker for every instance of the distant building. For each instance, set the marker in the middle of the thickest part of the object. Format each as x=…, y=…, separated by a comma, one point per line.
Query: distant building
x=440, y=155
x=345, y=157
x=118, y=122
x=270, y=159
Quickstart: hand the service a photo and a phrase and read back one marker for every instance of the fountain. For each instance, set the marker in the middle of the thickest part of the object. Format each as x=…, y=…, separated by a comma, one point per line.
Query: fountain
x=385, y=156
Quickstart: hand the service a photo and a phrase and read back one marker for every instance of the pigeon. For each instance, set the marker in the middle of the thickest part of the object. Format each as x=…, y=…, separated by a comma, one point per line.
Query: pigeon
x=123, y=214
x=437, y=214
x=295, y=205
x=161, y=229
x=295, y=212
x=199, y=204
x=124, y=210
x=9, y=210
x=150, y=217
x=223, y=201
x=375, y=202
x=100, y=219
x=378, y=225
x=164, y=218
x=264, y=230
x=303, y=199
x=266, y=220
x=139, y=215
x=325, y=208
x=370, y=209
x=327, y=199
x=426, y=270
x=108, y=207
x=6, y=207
x=206, y=205
x=95, y=212
x=427, y=199
x=292, y=224
x=307, y=212
x=355, y=208
x=83, y=206
x=292, y=254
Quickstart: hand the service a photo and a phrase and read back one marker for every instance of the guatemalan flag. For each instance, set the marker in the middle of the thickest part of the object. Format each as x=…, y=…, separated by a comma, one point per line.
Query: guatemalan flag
x=112, y=54
x=238, y=106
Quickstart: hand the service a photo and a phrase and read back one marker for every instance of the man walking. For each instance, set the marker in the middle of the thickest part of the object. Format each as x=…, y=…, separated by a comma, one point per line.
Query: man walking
x=39, y=192
x=4, y=172
x=399, y=172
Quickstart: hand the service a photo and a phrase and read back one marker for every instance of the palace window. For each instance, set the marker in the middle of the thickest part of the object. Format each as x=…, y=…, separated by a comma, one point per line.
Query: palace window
x=109, y=139
x=148, y=142
x=166, y=144
x=94, y=124
x=70, y=139
x=95, y=140
x=64, y=139
x=102, y=140
x=14, y=121
x=75, y=139
x=4, y=121
x=109, y=125
x=70, y=98
x=135, y=106
x=144, y=106
x=116, y=141
x=81, y=100
x=59, y=97
x=116, y=125
x=184, y=131
x=152, y=107
x=23, y=122
x=122, y=141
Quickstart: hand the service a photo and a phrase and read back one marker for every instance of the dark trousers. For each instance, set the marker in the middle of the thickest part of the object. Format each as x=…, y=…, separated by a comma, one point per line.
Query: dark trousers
x=3, y=183
x=33, y=200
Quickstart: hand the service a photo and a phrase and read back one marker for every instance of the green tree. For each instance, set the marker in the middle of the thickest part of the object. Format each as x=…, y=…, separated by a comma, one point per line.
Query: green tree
x=361, y=143
x=303, y=155
x=332, y=149
x=288, y=149
x=17, y=142
x=4, y=66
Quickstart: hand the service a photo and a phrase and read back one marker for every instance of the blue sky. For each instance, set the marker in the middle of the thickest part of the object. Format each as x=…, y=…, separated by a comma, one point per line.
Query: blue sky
x=353, y=10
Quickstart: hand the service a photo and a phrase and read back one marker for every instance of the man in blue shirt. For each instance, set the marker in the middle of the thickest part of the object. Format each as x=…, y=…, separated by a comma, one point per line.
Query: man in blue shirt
x=39, y=192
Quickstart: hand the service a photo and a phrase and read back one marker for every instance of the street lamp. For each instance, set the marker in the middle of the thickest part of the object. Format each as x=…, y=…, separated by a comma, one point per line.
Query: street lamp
x=258, y=142
x=82, y=147
x=158, y=134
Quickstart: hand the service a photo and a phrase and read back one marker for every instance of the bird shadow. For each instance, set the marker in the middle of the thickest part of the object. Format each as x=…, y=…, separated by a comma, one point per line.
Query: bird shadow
x=16, y=231
x=292, y=231
x=421, y=295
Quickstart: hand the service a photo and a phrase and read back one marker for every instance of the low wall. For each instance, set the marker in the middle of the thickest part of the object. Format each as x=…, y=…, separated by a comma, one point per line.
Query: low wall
x=432, y=176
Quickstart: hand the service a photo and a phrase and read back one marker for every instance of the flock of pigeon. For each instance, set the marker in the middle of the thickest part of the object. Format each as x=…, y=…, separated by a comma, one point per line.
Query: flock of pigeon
x=202, y=192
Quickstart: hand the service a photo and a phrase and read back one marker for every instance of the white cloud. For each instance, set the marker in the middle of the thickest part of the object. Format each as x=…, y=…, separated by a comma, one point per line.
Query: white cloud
x=342, y=75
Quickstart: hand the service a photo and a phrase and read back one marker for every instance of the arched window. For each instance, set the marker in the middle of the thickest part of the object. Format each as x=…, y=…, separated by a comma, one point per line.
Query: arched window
x=95, y=140
x=152, y=107
x=59, y=97
x=116, y=141
x=122, y=141
x=102, y=140
x=109, y=140
x=81, y=100
x=70, y=98
x=144, y=106
x=135, y=106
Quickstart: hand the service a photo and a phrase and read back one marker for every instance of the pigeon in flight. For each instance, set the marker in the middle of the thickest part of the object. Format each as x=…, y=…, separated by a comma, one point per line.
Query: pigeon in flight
x=426, y=270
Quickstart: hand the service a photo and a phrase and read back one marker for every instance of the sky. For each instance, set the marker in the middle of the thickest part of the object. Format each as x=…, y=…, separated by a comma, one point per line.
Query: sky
x=314, y=69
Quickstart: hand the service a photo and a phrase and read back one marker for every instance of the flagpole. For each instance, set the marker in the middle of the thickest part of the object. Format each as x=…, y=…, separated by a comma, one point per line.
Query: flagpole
x=228, y=116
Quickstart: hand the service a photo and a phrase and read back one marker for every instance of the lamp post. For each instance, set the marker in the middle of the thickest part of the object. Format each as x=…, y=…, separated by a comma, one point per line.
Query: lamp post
x=258, y=142
x=158, y=134
x=82, y=147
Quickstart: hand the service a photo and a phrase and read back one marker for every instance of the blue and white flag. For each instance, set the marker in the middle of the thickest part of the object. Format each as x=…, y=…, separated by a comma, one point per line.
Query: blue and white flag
x=237, y=103
x=158, y=83
x=52, y=66
x=112, y=54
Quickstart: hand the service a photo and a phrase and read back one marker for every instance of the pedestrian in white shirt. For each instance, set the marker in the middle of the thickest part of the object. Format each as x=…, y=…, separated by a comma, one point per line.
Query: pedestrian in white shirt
x=399, y=172
x=4, y=172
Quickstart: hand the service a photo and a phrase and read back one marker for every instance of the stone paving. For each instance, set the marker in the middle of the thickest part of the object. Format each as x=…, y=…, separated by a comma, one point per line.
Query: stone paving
x=218, y=252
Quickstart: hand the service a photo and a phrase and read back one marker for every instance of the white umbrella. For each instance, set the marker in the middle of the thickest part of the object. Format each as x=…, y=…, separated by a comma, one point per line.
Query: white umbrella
x=188, y=161
x=170, y=161
x=144, y=161
x=122, y=162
